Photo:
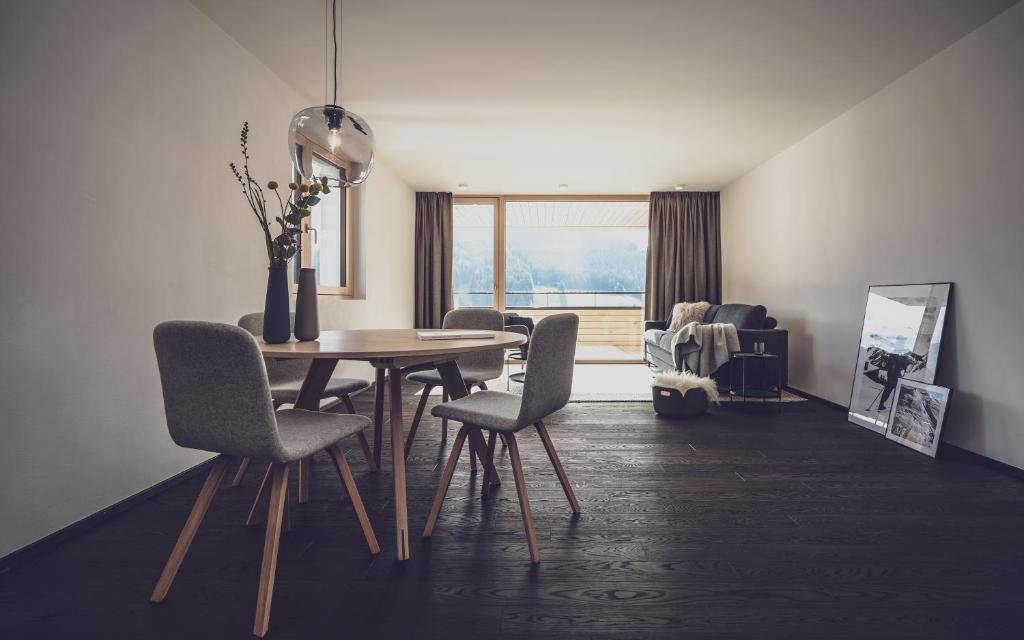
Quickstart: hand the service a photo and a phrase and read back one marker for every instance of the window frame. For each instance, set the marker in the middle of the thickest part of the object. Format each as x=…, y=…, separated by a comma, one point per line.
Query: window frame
x=499, y=202
x=308, y=148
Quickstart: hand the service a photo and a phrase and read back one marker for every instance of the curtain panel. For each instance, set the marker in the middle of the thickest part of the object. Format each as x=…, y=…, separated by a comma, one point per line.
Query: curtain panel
x=433, y=296
x=684, y=257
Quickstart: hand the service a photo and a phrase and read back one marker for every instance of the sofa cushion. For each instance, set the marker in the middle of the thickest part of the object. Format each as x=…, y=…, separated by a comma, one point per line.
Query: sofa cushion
x=742, y=316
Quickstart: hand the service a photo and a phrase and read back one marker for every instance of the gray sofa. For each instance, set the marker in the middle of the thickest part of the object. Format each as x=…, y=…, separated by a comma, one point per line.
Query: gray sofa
x=753, y=324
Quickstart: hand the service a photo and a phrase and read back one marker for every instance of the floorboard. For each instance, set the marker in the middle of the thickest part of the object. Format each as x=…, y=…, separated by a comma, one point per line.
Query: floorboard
x=732, y=525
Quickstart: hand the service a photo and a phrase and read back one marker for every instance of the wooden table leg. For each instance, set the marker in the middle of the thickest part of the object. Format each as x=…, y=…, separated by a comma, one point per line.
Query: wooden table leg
x=491, y=437
x=398, y=465
x=456, y=387
x=378, y=416
x=320, y=372
x=312, y=390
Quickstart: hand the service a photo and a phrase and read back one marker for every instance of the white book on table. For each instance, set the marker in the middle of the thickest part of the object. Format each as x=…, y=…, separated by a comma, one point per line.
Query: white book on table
x=455, y=335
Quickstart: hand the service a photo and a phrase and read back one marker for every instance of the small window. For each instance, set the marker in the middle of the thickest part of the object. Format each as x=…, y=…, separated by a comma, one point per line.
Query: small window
x=326, y=240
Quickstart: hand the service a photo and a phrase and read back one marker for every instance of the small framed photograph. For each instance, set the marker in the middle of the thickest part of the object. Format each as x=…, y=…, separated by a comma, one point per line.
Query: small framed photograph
x=917, y=415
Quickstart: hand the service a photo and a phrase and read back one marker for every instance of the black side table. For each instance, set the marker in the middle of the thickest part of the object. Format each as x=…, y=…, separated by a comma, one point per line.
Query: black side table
x=754, y=392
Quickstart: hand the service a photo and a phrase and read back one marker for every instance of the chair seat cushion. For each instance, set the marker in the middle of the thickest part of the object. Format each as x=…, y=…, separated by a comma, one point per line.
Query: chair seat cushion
x=433, y=376
x=303, y=433
x=488, y=409
x=289, y=391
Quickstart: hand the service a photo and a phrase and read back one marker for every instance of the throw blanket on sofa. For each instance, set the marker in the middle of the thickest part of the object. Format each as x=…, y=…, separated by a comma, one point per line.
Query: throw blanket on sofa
x=705, y=347
x=683, y=313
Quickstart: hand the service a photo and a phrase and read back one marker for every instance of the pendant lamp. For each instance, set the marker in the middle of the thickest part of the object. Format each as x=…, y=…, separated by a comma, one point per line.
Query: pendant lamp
x=340, y=136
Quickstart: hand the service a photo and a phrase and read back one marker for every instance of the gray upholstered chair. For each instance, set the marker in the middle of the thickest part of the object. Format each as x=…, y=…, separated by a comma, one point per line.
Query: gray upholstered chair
x=476, y=368
x=547, y=389
x=217, y=398
x=286, y=376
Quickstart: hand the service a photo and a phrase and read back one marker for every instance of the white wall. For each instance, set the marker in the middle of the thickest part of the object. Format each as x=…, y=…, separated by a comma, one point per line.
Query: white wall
x=922, y=182
x=117, y=123
x=384, y=225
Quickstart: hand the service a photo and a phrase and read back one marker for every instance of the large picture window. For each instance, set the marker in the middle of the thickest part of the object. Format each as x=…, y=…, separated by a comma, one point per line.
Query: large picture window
x=473, y=252
x=566, y=254
x=539, y=255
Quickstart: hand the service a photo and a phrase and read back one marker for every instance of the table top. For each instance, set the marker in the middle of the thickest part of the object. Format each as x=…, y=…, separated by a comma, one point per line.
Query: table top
x=367, y=344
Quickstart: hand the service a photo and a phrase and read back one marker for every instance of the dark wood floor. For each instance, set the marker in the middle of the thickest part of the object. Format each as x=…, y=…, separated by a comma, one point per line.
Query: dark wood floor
x=729, y=526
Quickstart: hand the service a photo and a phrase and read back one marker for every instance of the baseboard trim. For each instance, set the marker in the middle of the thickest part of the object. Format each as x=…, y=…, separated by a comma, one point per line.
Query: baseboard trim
x=819, y=399
x=947, y=451
x=34, y=549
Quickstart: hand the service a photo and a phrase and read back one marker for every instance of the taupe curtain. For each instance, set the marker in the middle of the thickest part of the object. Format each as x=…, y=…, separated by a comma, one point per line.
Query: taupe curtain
x=433, y=259
x=684, y=257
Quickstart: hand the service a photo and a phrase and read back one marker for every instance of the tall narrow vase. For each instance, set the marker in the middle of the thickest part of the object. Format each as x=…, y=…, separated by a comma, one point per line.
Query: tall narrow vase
x=307, y=319
x=276, y=320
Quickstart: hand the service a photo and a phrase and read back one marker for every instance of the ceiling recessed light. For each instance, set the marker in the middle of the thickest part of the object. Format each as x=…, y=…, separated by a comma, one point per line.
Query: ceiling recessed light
x=463, y=186
x=679, y=187
x=563, y=186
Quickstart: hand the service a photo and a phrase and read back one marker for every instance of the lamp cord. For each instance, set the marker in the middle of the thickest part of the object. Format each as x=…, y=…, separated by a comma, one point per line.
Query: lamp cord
x=334, y=34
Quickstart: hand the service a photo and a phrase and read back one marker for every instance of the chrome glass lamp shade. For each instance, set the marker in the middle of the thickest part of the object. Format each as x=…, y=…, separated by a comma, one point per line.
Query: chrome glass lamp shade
x=340, y=136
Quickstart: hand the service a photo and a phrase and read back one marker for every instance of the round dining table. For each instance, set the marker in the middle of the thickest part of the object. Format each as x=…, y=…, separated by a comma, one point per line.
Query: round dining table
x=393, y=353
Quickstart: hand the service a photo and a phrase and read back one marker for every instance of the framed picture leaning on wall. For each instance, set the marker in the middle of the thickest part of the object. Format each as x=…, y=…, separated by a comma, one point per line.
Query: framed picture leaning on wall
x=918, y=411
x=900, y=338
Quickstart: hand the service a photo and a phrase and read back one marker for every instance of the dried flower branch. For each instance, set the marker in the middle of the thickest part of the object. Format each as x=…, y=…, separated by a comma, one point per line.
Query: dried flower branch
x=293, y=210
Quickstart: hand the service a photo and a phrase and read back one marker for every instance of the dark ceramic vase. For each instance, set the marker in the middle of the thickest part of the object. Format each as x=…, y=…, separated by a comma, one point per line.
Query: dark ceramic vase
x=276, y=319
x=307, y=320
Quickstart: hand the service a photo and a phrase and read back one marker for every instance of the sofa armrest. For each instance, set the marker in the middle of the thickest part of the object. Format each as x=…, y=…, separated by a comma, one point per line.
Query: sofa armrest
x=655, y=324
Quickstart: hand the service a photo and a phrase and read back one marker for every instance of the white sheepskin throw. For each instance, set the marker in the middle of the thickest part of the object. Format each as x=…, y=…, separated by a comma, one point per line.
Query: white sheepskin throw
x=685, y=380
x=683, y=313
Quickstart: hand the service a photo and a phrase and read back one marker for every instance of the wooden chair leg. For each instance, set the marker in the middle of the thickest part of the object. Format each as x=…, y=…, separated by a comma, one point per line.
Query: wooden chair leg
x=378, y=417
x=446, y=479
x=258, y=512
x=491, y=437
x=474, y=452
x=304, y=465
x=524, y=500
x=365, y=444
x=243, y=466
x=557, y=464
x=353, y=494
x=188, y=532
x=271, y=542
x=478, y=446
x=444, y=422
x=411, y=436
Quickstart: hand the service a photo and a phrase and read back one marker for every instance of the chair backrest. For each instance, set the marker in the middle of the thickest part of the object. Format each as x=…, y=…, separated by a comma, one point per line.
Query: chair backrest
x=215, y=389
x=279, y=370
x=549, y=367
x=491, y=361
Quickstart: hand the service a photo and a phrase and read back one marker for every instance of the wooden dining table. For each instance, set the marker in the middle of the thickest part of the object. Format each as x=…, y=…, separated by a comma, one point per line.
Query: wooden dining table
x=393, y=353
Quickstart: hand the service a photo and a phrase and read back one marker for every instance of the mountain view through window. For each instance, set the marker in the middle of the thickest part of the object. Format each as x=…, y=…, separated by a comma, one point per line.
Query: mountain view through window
x=557, y=254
